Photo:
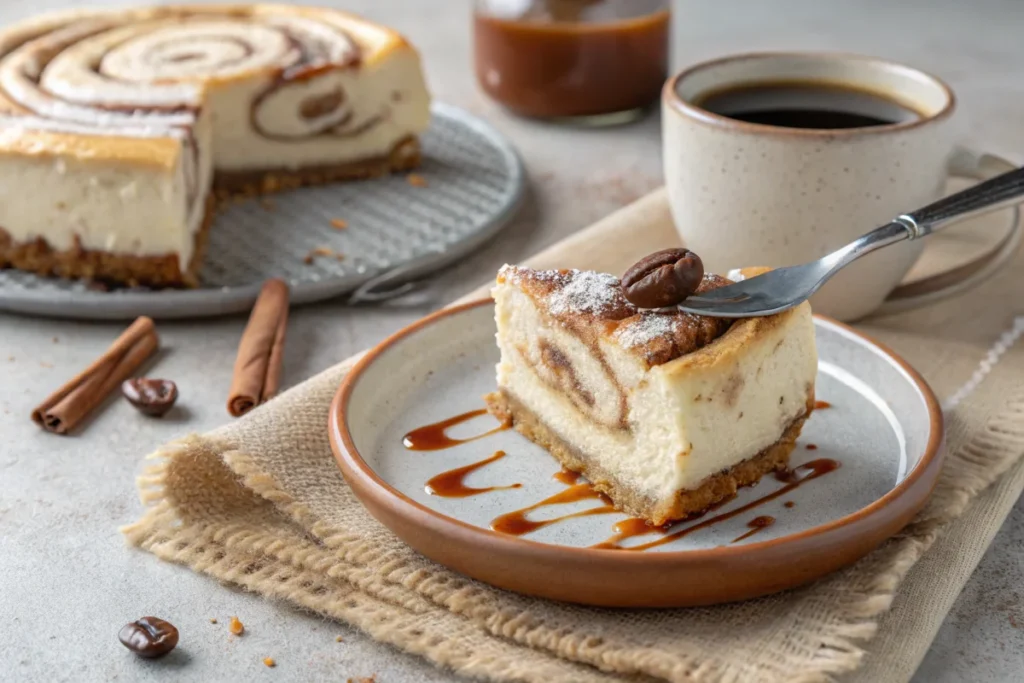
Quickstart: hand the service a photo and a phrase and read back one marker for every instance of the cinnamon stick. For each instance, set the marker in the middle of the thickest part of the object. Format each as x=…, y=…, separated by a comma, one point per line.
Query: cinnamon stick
x=257, y=374
x=63, y=410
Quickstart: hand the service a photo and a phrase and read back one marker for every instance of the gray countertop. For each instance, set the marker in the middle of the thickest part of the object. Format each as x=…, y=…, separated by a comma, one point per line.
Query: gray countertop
x=67, y=580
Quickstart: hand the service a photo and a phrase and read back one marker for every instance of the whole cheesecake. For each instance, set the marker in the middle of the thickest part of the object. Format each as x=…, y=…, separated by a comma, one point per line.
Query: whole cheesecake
x=117, y=128
x=664, y=411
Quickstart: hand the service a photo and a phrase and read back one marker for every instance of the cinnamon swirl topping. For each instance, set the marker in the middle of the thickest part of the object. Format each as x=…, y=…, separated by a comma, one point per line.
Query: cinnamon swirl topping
x=575, y=296
x=150, y=72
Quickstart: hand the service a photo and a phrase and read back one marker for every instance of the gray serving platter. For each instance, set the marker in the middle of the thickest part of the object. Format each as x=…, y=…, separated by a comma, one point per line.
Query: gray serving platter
x=396, y=232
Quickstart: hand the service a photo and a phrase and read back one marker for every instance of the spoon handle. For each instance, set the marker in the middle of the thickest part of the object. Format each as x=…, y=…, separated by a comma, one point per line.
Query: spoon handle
x=996, y=193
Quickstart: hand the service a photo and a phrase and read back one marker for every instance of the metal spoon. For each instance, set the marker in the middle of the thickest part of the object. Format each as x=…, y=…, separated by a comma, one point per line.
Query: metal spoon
x=783, y=288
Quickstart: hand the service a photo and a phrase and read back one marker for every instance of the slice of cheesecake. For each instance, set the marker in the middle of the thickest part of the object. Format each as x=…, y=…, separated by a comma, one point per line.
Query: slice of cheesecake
x=666, y=413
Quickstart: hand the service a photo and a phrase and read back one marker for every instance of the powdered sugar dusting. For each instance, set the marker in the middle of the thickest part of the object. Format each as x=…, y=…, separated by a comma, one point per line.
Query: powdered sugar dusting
x=736, y=275
x=517, y=275
x=585, y=291
x=645, y=329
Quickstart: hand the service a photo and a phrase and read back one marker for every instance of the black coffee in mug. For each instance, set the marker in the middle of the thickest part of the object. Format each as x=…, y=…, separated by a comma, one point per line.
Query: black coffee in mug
x=806, y=104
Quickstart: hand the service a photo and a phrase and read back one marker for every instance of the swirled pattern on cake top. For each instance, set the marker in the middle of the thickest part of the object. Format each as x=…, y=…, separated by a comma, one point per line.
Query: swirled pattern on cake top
x=271, y=74
x=580, y=298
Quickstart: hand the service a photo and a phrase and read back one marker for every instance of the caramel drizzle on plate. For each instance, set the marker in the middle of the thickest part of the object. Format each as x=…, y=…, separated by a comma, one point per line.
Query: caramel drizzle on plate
x=515, y=523
x=434, y=437
x=793, y=478
x=567, y=477
x=451, y=484
x=755, y=525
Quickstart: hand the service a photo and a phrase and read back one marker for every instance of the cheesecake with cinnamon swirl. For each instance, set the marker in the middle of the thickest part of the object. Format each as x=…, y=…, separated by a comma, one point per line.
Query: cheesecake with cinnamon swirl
x=666, y=412
x=118, y=127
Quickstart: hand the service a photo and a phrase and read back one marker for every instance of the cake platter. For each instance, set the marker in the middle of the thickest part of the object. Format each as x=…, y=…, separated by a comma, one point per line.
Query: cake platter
x=411, y=438
x=396, y=232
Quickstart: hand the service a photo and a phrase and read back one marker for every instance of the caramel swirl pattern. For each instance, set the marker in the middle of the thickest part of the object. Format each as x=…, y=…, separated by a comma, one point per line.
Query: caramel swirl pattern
x=144, y=72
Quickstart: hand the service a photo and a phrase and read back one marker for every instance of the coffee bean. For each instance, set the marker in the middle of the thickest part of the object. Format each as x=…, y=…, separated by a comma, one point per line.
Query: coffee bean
x=150, y=396
x=663, y=278
x=149, y=637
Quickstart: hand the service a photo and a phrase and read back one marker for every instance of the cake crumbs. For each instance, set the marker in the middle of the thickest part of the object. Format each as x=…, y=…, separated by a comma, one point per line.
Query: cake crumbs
x=339, y=223
x=416, y=180
x=339, y=639
x=267, y=204
x=44, y=364
x=269, y=662
x=364, y=679
x=236, y=627
x=213, y=621
x=322, y=251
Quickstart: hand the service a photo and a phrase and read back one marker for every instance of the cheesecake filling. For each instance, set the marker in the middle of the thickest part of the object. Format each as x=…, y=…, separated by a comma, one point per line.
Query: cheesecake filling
x=141, y=210
x=343, y=116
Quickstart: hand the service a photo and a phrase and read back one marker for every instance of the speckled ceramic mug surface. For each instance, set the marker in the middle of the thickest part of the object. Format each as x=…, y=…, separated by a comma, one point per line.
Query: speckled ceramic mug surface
x=746, y=193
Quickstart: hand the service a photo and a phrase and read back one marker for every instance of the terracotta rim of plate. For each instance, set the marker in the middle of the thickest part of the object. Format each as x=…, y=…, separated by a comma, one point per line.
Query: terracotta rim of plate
x=796, y=558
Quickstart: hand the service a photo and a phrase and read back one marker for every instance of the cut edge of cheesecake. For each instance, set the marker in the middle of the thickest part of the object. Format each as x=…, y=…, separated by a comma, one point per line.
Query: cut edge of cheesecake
x=657, y=512
x=161, y=270
x=404, y=156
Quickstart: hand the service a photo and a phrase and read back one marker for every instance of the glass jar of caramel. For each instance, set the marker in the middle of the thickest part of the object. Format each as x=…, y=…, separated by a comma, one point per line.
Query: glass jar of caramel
x=601, y=61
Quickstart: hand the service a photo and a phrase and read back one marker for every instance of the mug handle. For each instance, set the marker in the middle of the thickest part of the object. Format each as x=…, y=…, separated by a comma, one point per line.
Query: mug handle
x=977, y=166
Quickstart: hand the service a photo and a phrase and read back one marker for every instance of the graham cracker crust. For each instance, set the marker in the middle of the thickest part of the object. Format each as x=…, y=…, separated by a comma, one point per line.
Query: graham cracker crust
x=161, y=270
x=714, y=489
x=404, y=156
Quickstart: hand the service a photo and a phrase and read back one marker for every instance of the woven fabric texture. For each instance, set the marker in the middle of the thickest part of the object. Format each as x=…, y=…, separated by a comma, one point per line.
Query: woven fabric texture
x=261, y=503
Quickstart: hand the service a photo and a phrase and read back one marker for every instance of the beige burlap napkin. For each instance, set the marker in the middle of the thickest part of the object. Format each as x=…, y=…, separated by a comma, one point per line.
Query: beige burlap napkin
x=261, y=503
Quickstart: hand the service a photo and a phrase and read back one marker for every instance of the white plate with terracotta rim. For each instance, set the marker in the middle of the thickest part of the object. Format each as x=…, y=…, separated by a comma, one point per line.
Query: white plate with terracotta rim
x=883, y=428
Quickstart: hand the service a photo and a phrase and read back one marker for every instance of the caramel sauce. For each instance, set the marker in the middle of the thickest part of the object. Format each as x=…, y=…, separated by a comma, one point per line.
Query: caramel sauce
x=451, y=484
x=434, y=437
x=756, y=525
x=822, y=405
x=516, y=524
x=602, y=57
x=818, y=467
x=793, y=479
x=789, y=504
x=628, y=528
x=811, y=447
x=567, y=477
x=635, y=526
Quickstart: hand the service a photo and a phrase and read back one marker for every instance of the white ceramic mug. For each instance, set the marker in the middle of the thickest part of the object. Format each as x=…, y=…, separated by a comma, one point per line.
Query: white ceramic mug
x=745, y=194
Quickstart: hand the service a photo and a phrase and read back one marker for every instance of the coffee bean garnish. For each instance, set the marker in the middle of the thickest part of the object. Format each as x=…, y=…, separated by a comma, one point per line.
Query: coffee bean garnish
x=150, y=396
x=663, y=278
x=149, y=637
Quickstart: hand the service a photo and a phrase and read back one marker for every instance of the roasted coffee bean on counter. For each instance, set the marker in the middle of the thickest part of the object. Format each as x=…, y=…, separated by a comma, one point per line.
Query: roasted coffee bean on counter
x=149, y=637
x=664, y=278
x=150, y=396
